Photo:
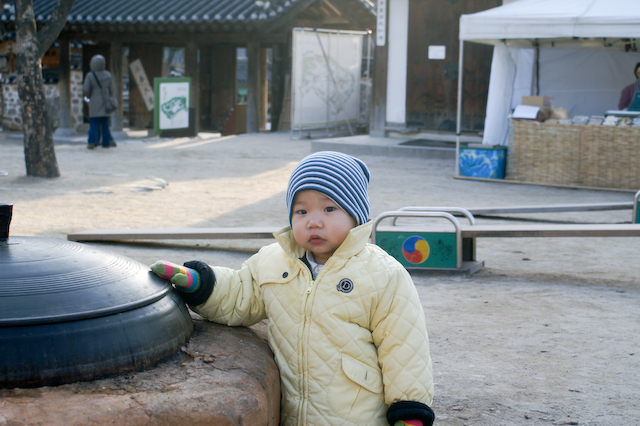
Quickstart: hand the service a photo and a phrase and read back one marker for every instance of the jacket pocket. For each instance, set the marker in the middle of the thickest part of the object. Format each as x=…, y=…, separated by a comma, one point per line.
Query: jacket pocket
x=356, y=391
x=278, y=276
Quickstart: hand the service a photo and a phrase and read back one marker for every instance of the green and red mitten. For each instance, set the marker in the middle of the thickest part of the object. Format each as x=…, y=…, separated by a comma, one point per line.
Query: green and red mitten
x=185, y=279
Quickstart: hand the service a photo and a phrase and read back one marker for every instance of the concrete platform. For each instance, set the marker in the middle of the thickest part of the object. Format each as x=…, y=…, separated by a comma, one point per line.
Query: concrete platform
x=437, y=145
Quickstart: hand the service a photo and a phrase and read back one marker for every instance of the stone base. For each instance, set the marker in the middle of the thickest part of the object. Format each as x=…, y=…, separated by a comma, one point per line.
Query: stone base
x=224, y=376
x=119, y=135
x=67, y=131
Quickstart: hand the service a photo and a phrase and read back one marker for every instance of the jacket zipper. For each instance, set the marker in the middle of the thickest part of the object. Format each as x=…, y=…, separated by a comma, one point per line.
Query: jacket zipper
x=305, y=332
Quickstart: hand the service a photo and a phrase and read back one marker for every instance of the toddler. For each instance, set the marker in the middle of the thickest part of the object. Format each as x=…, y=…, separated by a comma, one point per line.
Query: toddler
x=345, y=323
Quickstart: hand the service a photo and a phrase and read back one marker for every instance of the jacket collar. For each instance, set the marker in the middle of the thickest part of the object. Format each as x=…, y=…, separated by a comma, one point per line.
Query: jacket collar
x=357, y=238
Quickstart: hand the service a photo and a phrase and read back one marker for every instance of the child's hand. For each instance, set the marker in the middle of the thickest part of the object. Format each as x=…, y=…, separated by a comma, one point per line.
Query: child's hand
x=408, y=423
x=185, y=279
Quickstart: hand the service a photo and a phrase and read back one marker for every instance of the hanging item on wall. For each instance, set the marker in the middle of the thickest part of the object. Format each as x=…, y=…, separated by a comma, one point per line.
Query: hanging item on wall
x=326, y=77
x=140, y=77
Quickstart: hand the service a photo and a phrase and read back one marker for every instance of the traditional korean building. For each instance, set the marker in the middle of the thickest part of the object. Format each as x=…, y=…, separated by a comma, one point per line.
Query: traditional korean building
x=194, y=38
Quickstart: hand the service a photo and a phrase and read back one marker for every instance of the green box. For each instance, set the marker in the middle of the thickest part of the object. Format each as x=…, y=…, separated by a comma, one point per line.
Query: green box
x=417, y=250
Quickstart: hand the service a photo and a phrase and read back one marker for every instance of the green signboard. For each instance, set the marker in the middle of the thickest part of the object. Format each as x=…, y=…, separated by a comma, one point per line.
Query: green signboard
x=172, y=102
x=420, y=249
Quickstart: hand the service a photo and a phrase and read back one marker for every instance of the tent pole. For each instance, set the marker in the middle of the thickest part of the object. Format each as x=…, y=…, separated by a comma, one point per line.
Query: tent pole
x=459, y=107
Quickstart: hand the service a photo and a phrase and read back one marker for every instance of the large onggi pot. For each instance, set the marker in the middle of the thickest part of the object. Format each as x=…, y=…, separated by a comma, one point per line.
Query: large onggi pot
x=71, y=311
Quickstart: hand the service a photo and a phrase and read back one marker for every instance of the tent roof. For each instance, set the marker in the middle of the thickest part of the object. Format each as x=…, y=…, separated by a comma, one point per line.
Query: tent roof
x=553, y=19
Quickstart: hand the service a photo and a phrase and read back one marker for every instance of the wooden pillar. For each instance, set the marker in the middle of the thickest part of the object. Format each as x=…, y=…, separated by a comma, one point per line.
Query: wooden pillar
x=205, y=119
x=116, y=76
x=253, y=86
x=278, y=72
x=379, y=89
x=264, y=89
x=223, y=85
x=66, y=127
x=192, y=69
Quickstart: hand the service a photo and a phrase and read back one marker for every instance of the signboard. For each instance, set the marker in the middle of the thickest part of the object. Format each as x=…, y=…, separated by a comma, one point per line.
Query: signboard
x=326, y=77
x=172, y=102
x=381, y=23
x=420, y=249
x=140, y=77
x=437, y=52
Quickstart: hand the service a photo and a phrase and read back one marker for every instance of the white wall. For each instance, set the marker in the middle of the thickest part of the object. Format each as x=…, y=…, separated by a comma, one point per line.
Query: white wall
x=398, y=23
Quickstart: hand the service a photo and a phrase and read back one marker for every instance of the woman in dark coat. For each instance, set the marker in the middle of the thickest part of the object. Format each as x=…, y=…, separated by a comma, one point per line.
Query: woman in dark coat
x=94, y=82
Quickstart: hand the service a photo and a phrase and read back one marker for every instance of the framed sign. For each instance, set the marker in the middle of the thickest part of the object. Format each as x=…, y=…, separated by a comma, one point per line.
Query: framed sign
x=172, y=104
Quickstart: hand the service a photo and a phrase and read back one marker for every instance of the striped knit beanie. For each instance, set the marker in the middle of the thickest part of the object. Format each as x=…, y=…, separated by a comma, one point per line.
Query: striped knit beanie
x=340, y=177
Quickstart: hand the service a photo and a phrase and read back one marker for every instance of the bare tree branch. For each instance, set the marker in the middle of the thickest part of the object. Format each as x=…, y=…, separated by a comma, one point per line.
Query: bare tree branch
x=52, y=29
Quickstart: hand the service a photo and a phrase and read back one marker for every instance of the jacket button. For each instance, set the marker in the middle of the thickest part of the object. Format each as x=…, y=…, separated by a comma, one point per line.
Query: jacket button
x=285, y=275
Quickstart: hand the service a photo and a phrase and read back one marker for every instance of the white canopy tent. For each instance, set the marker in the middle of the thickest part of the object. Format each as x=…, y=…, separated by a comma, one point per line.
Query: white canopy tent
x=581, y=52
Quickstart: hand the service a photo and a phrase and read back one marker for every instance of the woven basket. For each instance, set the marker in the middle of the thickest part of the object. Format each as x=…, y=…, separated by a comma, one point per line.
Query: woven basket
x=572, y=154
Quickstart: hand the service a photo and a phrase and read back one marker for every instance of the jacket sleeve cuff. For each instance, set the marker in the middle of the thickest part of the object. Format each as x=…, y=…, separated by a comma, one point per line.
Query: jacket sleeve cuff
x=410, y=410
x=207, y=282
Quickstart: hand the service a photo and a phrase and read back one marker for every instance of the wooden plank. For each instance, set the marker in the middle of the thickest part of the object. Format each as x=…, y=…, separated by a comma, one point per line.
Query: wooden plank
x=173, y=234
x=552, y=208
x=542, y=230
x=471, y=231
x=526, y=231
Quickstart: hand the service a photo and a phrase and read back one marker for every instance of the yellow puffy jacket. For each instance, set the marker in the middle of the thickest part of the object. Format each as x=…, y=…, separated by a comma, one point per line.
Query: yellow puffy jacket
x=348, y=344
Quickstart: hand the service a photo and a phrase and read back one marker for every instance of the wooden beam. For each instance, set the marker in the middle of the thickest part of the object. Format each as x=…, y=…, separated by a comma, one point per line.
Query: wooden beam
x=253, y=86
x=223, y=84
x=522, y=231
x=379, y=89
x=279, y=70
x=346, y=12
x=173, y=234
x=65, y=84
x=178, y=39
x=471, y=231
x=263, y=102
x=551, y=208
x=287, y=17
x=192, y=69
x=526, y=231
x=116, y=74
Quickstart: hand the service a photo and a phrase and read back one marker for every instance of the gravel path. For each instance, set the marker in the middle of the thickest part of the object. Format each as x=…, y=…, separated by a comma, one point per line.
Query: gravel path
x=546, y=333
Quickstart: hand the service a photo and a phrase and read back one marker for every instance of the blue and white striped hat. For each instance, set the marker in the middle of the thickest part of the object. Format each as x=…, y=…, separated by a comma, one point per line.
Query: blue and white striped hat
x=341, y=177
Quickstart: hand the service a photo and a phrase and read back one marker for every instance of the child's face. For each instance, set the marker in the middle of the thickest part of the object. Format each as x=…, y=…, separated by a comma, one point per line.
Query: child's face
x=319, y=224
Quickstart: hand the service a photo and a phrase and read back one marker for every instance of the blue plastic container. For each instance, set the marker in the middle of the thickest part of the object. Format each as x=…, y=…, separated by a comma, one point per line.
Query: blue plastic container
x=483, y=162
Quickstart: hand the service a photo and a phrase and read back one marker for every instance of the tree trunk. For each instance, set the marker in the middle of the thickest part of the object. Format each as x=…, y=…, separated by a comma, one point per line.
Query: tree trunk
x=31, y=45
x=39, y=153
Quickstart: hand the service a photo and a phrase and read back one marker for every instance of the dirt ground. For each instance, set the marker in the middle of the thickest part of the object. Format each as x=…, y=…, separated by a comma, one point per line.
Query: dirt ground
x=546, y=333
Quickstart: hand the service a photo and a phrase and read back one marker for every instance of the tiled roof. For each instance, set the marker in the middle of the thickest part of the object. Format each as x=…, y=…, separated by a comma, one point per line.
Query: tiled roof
x=114, y=12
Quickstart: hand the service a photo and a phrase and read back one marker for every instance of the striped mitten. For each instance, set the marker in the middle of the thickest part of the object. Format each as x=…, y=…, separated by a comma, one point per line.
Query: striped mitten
x=185, y=279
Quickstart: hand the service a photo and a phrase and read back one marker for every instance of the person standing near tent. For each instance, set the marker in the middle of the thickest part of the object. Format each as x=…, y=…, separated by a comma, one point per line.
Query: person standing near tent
x=630, y=96
x=98, y=87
